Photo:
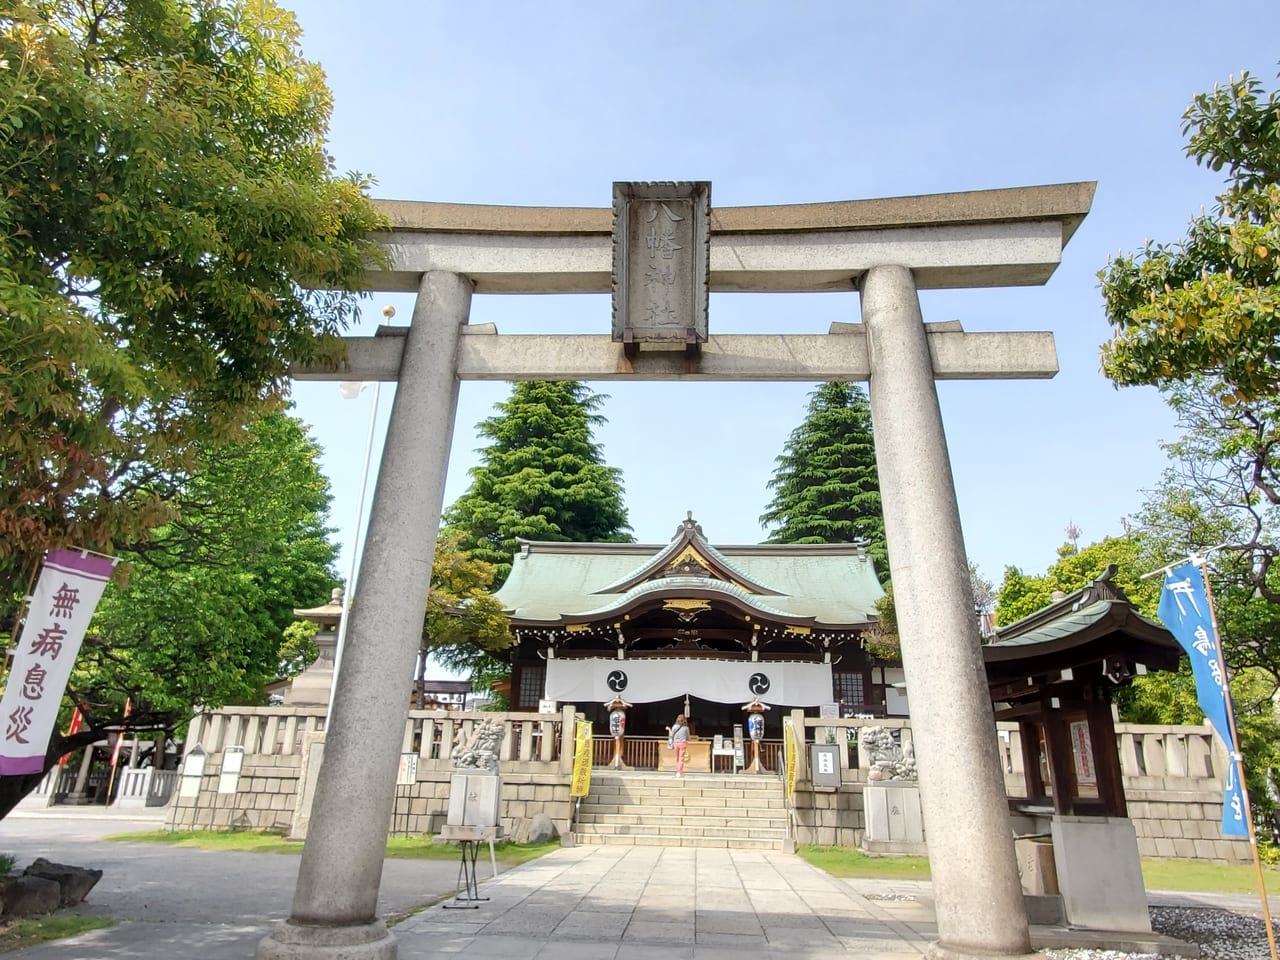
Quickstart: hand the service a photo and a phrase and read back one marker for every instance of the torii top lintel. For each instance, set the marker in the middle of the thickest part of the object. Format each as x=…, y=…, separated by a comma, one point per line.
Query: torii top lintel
x=988, y=238
x=984, y=238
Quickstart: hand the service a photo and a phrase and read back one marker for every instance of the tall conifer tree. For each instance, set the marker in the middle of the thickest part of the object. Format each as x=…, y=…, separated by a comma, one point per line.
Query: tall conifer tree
x=541, y=477
x=825, y=487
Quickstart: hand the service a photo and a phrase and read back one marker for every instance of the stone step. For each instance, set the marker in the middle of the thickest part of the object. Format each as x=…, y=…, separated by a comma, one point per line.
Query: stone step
x=680, y=810
x=696, y=810
x=652, y=776
x=681, y=832
x=686, y=796
x=686, y=803
x=677, y=817
x=707, y=787
x=660, y=823
x=639, y=840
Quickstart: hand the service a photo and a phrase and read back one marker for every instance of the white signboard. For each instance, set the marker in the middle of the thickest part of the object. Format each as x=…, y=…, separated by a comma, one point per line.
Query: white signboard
x=192, y=774
x=548, y=706
x=232, y=762
x=1082, y=752
x=407, y=774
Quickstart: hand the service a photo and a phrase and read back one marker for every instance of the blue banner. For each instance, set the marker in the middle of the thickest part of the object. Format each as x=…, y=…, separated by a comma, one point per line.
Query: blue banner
x=1184, y=608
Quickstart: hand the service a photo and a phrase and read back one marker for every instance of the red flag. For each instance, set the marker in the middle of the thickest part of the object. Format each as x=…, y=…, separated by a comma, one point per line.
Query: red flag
x=72, y=727
x=115, y=751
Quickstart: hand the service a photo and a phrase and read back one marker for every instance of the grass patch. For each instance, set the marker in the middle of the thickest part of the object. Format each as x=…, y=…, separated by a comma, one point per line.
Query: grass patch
x=851, y=862
x=398, y=848
x=1207, y=877
x=1189, y=875
x=32, y=930
x=241, y=840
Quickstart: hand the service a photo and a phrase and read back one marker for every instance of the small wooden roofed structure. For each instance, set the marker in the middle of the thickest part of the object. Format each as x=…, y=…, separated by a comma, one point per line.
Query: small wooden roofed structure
x=1054, y=672
x=580, y=611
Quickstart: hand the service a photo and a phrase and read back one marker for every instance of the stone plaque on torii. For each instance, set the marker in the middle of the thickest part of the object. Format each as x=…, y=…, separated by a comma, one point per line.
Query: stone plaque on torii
x=661, y=238
x=882, y=250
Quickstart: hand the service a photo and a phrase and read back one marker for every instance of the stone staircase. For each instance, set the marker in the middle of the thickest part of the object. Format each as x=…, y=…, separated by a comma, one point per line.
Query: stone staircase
x=743, y=812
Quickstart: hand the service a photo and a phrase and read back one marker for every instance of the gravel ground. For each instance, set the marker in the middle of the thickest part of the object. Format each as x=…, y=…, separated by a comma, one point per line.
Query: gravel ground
x=1221, y=934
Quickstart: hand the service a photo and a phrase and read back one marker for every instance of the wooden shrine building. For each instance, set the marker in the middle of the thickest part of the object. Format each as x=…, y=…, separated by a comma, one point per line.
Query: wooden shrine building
x=1054, y=672
x=688, y=624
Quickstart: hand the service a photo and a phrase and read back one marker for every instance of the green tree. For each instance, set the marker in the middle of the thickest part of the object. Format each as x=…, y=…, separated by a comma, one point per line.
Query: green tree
x=1021, y=594
x=825, y=486
x=298, y=649
x=1209, y=304
x=171, y=237
x=1222, y=491
x=202, y=617
x=542, y=476
x=202, y=613
x=464, y=625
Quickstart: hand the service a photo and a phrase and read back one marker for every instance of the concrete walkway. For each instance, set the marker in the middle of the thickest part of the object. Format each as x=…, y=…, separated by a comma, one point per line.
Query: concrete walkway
x=603, y=903
x=684, y=903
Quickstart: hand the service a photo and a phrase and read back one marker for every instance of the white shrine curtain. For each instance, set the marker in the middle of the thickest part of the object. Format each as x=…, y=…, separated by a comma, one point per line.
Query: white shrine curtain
x=787, y=683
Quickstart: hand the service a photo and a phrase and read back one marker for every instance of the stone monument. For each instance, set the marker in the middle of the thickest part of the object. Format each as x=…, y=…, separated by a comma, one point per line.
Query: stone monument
x=475, y=788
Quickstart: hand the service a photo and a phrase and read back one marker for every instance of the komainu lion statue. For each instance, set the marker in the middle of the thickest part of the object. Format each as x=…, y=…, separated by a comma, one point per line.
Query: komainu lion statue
x=887, y=760
x=481, y=751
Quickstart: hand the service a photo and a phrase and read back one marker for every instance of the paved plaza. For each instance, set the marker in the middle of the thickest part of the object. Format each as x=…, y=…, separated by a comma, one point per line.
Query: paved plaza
x=598, y=902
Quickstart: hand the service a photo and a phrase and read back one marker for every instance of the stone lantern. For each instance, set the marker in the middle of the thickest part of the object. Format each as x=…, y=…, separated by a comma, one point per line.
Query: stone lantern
x=312, y=687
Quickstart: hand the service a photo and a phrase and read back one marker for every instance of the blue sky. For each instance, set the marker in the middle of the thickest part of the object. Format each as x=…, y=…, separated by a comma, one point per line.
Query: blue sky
x=549, y=103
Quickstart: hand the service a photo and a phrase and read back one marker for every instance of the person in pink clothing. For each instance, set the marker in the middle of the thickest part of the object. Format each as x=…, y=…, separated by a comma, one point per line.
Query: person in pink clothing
x=679, y=737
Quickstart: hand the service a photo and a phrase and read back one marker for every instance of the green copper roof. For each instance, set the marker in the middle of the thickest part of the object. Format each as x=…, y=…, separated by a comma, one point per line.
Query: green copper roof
x=1066, y=625
x=831, y=583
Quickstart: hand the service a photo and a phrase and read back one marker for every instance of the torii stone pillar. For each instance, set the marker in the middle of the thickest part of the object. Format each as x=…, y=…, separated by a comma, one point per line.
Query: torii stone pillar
x=334, y=915
x=976, y=888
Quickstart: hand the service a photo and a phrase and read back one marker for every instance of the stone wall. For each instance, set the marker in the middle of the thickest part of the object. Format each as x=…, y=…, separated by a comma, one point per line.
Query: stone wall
x=1174, y=792
x=829, y=817
x=269, y=792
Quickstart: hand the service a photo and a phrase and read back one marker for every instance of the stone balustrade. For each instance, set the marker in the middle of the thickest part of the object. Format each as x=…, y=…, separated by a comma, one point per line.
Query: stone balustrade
x=1173, y=784
x=274, y=747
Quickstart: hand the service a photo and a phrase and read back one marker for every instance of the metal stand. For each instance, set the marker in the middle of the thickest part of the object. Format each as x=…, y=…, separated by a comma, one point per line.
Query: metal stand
x=468, y=896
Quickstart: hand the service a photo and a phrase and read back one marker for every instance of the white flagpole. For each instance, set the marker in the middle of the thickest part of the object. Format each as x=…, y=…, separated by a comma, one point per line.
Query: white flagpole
x=353, y=566
x=1236, y=758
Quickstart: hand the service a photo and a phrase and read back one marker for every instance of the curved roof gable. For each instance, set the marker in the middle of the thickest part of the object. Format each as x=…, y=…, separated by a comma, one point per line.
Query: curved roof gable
x=688, y=552
x=681, y=586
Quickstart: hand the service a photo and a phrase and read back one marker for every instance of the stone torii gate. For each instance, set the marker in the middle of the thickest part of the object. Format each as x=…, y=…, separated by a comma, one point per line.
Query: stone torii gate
x=885, y=250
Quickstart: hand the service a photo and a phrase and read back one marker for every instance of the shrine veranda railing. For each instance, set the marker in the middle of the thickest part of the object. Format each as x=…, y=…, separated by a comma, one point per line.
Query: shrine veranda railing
x=643, y=753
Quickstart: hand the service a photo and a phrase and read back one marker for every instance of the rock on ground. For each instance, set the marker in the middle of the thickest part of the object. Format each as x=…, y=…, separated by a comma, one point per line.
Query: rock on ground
x=28, y=896
x=75, y=882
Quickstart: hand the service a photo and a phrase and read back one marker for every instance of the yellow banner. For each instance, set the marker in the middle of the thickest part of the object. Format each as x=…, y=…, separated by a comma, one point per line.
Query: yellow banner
x=582, y=760
x=793, y=751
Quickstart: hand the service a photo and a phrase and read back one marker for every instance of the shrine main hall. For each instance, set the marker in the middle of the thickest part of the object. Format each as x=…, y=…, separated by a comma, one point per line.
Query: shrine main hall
x=688, y=627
